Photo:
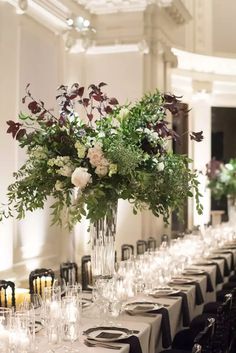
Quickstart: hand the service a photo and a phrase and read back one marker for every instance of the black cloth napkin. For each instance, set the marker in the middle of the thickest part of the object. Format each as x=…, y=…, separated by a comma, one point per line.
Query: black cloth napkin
x=219, y=277
x=226, y=266
x=198, y=292
x=184, y=308
x=210, y=287
x=232, y=258
x=133, y=341
x=165, y=326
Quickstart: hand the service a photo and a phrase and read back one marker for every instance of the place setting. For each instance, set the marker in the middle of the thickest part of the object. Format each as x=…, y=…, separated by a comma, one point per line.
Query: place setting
x=111, y=337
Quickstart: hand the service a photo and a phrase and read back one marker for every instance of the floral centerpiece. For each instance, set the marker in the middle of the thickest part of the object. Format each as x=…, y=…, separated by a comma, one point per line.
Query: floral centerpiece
x=108, y=153
x=222, y=178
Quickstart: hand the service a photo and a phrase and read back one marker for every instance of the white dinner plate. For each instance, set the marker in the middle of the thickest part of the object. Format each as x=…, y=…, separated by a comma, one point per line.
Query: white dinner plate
x=181, y=280
x=202, y=263
x=193, y=271
x=165, y=291
x=107, y=334
x=141, y=307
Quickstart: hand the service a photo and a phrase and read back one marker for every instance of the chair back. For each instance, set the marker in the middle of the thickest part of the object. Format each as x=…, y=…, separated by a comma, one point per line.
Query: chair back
x=69, y=272
x=141, y=247
x=127, y=250
x=40, y=278
x=222, y=330
x=197, y=348
x=7, y=300
x=204, y=340
x=86, y=273
x=165, y=239
x=151, y=243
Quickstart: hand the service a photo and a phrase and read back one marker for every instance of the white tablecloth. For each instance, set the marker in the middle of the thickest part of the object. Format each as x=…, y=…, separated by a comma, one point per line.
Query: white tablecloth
x=149, y=328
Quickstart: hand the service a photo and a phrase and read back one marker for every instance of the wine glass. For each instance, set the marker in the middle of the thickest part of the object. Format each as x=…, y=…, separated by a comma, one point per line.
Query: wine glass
x=5, y=322
x=61, y=283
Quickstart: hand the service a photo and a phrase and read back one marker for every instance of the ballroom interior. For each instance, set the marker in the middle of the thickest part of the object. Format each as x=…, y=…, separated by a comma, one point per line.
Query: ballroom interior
x=186, y=47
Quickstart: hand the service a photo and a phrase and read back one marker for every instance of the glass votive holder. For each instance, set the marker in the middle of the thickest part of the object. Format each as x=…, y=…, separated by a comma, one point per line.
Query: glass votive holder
x=54, y=333
x=52, y=294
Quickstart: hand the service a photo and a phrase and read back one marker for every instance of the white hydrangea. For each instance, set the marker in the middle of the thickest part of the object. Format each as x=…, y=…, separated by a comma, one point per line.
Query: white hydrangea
x=81, y=149
x=38, y=152
x=64, y=163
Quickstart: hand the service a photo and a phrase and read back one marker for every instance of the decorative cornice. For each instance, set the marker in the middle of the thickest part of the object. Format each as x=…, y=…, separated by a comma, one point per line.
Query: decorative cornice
x=178, y=12
x=205, y=64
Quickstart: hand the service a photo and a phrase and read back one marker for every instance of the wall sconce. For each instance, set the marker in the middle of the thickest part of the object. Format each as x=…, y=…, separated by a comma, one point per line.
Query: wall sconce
x=80, y=30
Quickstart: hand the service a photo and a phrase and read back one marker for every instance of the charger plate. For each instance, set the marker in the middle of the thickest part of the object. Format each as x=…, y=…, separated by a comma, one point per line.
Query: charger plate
x=193, y=271
x=164, y=291
x=142, y=307
x=107, y=334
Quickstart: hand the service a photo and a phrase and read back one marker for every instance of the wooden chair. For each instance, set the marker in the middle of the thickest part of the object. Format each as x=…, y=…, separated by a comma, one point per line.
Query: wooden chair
x=86, y=273
x=69, y=272
x=5, y=287
x=141, y=247
x=151, y=243
x=127, y=250
x=40, y=278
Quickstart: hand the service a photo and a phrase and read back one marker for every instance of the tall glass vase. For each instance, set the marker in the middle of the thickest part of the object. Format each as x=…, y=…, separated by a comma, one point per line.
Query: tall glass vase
x=102, y=234
x=232, y=211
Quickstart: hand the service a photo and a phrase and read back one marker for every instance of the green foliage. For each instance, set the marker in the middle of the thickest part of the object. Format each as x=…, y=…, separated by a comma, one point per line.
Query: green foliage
x=87, y=167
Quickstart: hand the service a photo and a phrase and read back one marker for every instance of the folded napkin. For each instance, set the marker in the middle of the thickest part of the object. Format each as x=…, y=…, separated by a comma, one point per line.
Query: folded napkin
x=210, y=287
x=184, y=308
x=226, y=266
x=133, y=341
x=232, y=258
x=165, y=326
x=219, y=277
x=198, y=292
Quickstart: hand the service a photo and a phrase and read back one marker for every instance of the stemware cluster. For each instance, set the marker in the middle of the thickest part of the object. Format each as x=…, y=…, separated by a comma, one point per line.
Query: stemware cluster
x=156, y=268
x=58, y=311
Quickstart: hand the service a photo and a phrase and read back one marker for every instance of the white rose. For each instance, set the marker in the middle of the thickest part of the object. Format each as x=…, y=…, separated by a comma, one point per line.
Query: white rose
x=104, y=162
x=80, y=177
x=160, y=166
x=154, y=135
x=101, y=170
x=95, y=155
x=123, y=113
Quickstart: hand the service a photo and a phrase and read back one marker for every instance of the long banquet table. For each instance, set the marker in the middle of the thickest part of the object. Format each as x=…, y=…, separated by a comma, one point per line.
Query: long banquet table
x=149, y=327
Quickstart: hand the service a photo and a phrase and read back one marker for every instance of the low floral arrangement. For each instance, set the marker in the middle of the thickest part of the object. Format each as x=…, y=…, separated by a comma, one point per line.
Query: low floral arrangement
x=222, y=178
x=108, y=153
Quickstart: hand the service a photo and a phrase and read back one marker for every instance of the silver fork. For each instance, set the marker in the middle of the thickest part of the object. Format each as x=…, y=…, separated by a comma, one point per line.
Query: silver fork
x=89, y=343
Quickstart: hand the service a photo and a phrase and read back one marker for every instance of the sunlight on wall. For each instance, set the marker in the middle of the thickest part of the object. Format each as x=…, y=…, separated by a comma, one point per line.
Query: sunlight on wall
x=6, y=245
x=32, y=234
x=201, y=107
